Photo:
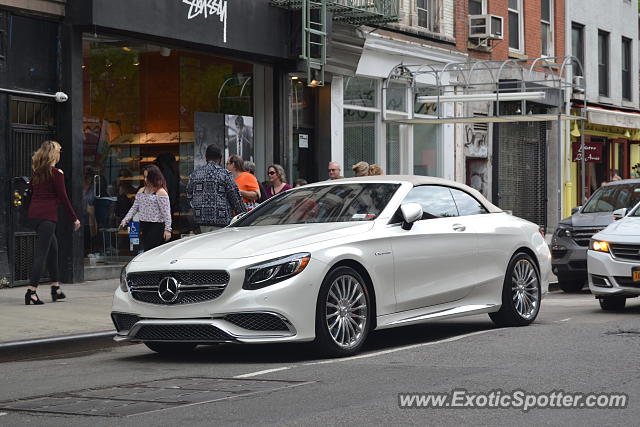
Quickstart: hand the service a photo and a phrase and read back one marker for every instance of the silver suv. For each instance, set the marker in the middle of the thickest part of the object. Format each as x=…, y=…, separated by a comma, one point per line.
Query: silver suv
x=571, y=238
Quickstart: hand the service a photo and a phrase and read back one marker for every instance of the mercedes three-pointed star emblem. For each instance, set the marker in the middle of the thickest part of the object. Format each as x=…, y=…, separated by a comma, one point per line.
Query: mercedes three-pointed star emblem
x=168, y=289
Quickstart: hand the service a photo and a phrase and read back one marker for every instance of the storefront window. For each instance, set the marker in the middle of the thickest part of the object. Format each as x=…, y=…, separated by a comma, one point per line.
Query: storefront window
x=360, y=91
x=393, y=148
x=396, y=97
x=426, y=150
x=146, y=104
x=359, y=138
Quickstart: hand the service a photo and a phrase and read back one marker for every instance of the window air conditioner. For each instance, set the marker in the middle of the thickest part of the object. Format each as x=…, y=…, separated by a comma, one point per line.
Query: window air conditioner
x=485, y=27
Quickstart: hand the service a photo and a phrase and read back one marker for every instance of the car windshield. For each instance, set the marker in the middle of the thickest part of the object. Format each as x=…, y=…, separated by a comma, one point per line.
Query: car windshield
x=320, y=204
x=636, y=212
x=612, y=197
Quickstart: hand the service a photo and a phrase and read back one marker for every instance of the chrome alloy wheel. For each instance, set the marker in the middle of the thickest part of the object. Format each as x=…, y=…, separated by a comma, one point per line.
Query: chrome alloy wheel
x=525, y=288
x=346, y=311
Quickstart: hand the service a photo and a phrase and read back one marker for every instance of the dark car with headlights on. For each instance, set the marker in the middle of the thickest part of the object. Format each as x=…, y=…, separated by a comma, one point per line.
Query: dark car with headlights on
x=571, y=239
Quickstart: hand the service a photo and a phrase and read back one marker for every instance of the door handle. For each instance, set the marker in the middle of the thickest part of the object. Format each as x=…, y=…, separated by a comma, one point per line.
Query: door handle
x=459, y=227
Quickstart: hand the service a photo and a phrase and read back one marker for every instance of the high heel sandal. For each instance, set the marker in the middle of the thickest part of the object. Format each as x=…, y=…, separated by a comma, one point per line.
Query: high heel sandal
x=28, y=300
x=55, y=296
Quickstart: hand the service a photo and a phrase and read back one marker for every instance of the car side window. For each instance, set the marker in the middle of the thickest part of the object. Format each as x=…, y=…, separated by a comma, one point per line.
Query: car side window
x=436, y=201
x=467, y=204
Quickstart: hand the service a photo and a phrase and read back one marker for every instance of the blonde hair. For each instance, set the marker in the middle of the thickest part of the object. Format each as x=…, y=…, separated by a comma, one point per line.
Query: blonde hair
x=43, y=159
x=361, y=168
x=375, y=170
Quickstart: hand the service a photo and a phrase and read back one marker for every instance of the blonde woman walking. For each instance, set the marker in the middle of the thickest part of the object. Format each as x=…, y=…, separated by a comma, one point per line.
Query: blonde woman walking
x=47, y=193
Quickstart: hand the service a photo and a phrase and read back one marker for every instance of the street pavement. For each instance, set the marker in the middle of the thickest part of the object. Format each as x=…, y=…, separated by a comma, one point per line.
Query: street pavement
x=572, y=346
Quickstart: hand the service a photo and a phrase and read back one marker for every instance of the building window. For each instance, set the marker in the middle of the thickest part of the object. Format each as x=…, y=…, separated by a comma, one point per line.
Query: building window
x=603, y=63
x=477, y=7
x=577, y=47
x=626, y=69
x=546, y=27
x=429, y=14
x=515, y=25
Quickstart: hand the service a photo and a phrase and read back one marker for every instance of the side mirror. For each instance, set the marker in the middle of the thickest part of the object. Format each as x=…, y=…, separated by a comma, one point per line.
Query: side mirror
x=576, y=209
x=238, y=218
x=411, y=212
x=619, y=213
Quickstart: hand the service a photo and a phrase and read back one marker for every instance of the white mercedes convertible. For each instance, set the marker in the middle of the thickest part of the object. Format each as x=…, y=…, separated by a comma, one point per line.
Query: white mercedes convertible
x=331, y=262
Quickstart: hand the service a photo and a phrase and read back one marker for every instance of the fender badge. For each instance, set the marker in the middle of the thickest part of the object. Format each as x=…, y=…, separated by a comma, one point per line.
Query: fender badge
x=173, y=261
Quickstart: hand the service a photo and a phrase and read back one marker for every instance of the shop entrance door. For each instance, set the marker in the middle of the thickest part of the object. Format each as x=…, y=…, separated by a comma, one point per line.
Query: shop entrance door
x=32, y=122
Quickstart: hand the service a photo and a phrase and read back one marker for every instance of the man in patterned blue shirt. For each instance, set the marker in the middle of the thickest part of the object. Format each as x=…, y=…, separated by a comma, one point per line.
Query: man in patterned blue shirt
x=213, y=193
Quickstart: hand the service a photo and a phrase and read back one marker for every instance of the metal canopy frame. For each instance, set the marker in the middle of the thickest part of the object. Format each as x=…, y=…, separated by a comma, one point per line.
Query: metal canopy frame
x=552, y=75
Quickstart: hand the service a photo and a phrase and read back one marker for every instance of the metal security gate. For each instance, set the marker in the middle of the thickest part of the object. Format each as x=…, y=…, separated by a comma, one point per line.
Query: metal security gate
x=32, y=122
x=521, y=175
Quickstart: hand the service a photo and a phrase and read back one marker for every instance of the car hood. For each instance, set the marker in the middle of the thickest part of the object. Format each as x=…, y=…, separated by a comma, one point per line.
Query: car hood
x=243, y=242
x=629, y=226
x=596, y=219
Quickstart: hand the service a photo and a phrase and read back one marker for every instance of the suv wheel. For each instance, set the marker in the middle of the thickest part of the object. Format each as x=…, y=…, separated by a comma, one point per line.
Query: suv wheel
x=570, y=286
x=612, y=303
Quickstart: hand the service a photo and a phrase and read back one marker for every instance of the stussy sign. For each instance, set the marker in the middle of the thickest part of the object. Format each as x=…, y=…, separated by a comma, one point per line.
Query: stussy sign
x=207, y=8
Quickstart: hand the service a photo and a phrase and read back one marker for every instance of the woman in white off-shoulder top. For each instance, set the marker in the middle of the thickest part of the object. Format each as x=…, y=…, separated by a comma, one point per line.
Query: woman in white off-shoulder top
x=153, y=208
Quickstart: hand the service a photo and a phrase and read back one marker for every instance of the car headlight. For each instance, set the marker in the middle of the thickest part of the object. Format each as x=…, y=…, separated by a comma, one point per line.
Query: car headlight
x=274, y=271
x=564, y=232
x=599, y=246
x=123, y=279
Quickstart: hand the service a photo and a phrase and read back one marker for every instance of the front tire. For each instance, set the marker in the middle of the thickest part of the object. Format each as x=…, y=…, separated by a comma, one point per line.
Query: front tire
x=521, y=293
x=343, y=313
x=171, y=347
x=612, y=303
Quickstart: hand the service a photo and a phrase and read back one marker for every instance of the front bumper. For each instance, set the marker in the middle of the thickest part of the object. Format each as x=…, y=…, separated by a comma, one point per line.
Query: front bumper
x=568, y=259
x=611, y=277
x=290, y=305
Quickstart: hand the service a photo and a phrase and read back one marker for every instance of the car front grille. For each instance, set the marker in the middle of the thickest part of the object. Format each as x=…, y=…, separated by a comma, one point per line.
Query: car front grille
x=625, y=252
x=627, y=281
x=195, y=286
x=124, y=321
x=582, y=235
x=186, y=332
x=257, y=321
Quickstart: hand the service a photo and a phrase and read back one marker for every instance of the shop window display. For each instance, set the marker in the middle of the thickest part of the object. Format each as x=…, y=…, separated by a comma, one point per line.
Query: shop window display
x=147, y=104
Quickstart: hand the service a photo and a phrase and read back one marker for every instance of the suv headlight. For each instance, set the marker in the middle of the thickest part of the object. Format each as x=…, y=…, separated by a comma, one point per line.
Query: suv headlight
x=564, y=232
x=274, y=271
x=599, y=246
x=123, y=279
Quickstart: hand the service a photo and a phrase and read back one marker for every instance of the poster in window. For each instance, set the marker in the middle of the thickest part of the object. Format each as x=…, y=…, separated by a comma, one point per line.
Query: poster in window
x=239, y=136
x=209, y=129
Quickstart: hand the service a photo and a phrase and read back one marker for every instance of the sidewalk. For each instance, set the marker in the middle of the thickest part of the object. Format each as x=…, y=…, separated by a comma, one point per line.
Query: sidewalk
x=86, y=310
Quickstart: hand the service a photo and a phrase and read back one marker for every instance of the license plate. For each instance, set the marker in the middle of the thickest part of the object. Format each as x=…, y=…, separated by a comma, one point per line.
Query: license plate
x=635, y=272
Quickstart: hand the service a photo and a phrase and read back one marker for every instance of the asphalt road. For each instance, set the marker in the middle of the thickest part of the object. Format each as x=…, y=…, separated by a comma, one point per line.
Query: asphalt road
x=573, y=346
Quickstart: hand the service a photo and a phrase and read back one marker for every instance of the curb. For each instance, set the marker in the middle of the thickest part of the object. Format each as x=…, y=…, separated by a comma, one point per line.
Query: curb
x=53, y=346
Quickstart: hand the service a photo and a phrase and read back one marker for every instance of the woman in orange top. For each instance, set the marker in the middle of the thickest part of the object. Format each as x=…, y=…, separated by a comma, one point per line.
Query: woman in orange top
x=247, y=183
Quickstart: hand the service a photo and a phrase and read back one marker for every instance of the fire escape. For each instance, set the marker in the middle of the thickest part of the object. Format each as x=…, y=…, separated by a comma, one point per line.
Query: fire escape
x=314, y=25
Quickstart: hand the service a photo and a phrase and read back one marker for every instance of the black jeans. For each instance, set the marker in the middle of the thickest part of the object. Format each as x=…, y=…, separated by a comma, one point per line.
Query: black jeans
x=46, y=251
x=152, y=234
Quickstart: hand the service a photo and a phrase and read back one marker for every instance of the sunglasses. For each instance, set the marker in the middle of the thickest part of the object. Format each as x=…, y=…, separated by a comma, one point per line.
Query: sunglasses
x=331, y=170
x=271, y=172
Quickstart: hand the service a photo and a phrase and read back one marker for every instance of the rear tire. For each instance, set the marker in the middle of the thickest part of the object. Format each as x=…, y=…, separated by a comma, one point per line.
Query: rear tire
x=343, y=313
x=521, y=293
x=612, y=303
x=171, y=347
x=571, y=286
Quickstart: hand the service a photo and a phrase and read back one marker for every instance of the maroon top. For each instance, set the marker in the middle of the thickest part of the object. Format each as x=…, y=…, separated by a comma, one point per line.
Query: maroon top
x=47, y=196
x=270, y=189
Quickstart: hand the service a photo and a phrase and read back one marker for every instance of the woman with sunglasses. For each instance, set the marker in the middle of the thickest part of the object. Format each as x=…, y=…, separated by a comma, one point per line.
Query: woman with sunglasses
x=153, y=207
x=277, y=181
